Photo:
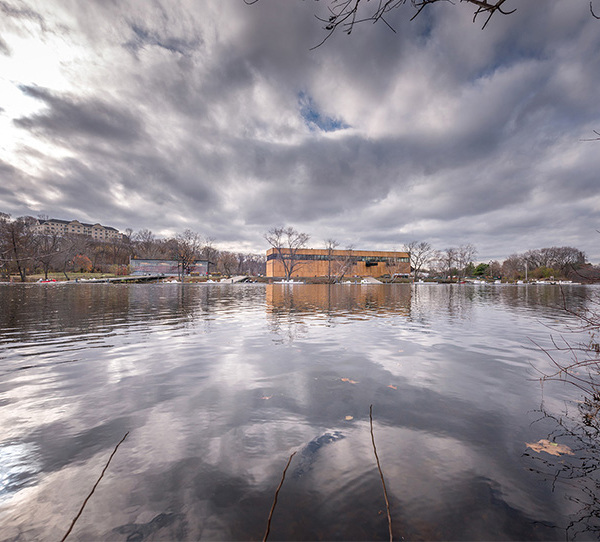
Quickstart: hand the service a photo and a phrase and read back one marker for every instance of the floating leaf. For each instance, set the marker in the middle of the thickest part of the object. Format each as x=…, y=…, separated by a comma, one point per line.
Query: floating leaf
x=348, y=418
x=393, y=387
x=350, y=381
x=549, y=447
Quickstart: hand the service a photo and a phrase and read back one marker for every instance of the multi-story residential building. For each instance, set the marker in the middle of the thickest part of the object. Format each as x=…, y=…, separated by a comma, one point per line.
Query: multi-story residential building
x=65, y=227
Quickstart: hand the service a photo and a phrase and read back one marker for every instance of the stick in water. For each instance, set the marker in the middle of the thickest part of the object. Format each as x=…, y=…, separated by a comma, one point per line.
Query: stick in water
x=93, y=489
x=387, y=502
x=276, y=495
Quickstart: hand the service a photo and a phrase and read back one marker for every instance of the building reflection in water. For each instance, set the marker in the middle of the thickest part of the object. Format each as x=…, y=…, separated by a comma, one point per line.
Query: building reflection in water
x=291, y=309
x=325, y=300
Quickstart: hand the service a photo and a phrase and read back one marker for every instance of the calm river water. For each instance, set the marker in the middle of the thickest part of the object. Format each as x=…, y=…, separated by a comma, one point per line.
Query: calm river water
x=218, y=385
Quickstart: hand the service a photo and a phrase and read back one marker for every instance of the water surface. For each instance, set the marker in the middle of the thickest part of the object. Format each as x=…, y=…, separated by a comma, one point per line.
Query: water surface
x=218, y=385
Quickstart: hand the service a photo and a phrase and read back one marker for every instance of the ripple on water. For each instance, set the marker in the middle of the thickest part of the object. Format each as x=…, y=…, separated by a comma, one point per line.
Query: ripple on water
x=219, y=384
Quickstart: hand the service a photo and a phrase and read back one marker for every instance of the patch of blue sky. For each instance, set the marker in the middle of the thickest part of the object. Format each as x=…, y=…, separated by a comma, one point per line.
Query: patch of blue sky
x=314, y=119
x=144, y=37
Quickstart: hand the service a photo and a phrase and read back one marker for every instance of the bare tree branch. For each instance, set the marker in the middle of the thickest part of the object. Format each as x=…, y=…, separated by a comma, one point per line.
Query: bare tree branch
x=275, y=498
x=287, y=242
x=595, y=131
x=344, y=14
x=385, y=495
x=93, y=489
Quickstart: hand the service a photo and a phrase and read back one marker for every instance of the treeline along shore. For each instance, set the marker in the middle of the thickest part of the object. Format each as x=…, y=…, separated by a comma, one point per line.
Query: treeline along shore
x=29, y=252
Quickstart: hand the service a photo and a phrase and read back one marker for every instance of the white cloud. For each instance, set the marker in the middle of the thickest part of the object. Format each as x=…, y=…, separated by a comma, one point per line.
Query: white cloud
x=177, y=115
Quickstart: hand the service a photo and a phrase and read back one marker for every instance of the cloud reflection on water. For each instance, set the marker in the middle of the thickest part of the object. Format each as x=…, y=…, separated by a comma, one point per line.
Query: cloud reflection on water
x=219, y=384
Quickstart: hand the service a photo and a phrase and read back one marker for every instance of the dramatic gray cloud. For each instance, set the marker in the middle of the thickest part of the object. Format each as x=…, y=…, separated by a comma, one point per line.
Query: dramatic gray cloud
x=69, y=119
x=218, y=117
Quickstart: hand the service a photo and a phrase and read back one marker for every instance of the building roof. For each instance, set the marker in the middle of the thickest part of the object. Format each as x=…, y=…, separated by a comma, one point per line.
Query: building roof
x=347, y=252
x=85, y=224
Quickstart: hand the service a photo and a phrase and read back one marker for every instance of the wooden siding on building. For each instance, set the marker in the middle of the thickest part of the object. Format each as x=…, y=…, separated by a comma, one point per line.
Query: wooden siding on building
x=321, y=298
x=325, y=263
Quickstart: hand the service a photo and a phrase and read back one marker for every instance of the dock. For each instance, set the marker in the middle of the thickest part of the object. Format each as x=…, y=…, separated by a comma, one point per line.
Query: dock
x=124, y=279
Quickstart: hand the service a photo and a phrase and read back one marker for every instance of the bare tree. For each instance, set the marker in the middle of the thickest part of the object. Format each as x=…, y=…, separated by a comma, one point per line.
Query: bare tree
x=287, y=242
x=577, y=363
x=495, y=269
x=146, y=245
x=72, y=245
x=565, y=259
x=513, y=266
x=464, y=256
x=543, y=262
x=116, y=251
x=330, y=246
x=448, y=259
x=209, y=252
x=47, y=250
x=420, y=254
x=227, y=263
x=251, y=264
x=587, y=273
x=343, y=264
x=17, y=242
x=435, y=263
x=241, y=262
x=5, y=249
x=186, y=249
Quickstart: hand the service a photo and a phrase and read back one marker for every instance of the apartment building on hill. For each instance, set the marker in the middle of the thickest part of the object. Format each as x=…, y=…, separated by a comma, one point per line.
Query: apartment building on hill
x=64, y=227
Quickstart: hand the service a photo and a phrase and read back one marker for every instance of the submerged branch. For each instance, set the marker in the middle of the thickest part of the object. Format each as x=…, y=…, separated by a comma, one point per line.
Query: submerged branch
x=276, y=495
x=387, y=502
x=93, y=489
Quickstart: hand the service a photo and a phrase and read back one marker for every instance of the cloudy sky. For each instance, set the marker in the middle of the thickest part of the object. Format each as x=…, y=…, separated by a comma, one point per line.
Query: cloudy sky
x=217, y=116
